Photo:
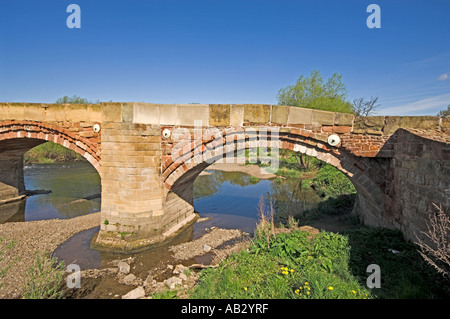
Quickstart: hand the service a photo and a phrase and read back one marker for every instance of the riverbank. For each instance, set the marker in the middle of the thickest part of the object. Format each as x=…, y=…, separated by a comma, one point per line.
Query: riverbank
x=20, y=240
x=252, y=170
x=50, y=152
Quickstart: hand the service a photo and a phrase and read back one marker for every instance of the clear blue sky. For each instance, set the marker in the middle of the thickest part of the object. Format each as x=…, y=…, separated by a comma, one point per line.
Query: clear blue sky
x=214, y=51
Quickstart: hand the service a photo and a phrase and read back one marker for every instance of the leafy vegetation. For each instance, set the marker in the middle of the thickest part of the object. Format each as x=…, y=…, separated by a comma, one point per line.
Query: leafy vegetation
x=313, y=92
x=74, y=99
x=330, y=182
x=294, y=265
x=50, y=152
x=300, y=265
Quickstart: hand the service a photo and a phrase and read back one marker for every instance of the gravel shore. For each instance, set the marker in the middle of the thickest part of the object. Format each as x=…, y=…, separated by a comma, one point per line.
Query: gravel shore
x=19, y=241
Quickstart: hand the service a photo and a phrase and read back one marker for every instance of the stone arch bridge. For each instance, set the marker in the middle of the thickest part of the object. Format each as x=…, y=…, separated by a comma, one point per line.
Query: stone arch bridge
x=148, y=156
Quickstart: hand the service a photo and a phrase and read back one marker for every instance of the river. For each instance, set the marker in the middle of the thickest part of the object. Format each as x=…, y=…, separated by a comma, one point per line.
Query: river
x=229, y=199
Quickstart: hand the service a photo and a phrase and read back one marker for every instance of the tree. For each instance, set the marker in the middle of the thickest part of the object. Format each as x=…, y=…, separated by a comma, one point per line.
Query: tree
x=444, y=113
x=313, y=92
x=74, y=99
x=361, y=107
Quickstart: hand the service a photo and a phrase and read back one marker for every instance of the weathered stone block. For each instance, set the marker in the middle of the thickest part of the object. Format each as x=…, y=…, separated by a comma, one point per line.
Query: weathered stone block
x=280, y=114
x=95, y=112
x=127, y=111
x=236, y=115
x=34, y=112
x=146, y=113
x=15, y=112
x=256, y=113
x=219, y=114
x=323, y=117
x=345, y=119
x=76, y=112
x=298, y=115
x=193, y=114
x=414, y=122
x=111, y=112
x=362, y=124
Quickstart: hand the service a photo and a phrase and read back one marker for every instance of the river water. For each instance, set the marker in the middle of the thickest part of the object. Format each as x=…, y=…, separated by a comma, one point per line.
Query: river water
x=229, y=199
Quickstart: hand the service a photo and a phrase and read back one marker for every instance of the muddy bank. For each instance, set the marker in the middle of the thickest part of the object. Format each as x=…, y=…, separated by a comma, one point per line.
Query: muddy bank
x=124, y=278
x=253, y=170
x=19, y=241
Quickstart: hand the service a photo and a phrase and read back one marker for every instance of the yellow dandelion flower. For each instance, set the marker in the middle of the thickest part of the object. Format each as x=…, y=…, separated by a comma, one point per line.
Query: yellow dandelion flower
x=245, y=288
x=330, y=288
x=306, y=284
x=297, y=291
x=307, y=292
x=354, y=292
x=301, y=288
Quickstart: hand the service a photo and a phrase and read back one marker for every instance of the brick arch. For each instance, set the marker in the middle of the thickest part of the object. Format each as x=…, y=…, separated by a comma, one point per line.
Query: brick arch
x=182, y=168
x=35, y=131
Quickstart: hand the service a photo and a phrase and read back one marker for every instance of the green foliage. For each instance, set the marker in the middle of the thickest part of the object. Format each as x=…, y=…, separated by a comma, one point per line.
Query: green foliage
x=50, y=152
x=278, y=271
x=43, y=280
x=330, y=182
x=166, y=294
x=74, y=99
x=313, y=92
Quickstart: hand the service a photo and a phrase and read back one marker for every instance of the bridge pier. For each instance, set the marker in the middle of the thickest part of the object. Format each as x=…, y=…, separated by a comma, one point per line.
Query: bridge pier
x=134, y=210
x=12, y=186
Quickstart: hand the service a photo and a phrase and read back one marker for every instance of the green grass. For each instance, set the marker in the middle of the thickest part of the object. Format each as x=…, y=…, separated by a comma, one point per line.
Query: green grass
x=44, y=278
x=404, y=274
x=293, y=266
x=297, y=265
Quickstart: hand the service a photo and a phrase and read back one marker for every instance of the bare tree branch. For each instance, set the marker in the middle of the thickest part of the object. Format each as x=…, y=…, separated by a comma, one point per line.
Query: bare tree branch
x=437, y=251
x=361, y=107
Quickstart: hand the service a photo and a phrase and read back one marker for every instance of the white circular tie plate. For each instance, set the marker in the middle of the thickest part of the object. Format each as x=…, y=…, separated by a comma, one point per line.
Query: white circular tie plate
x=166, y=133
x=333, y=140
x=96, y=128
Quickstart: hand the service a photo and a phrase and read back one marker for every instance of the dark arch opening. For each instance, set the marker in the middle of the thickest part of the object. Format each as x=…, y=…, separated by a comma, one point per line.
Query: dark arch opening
x=179, y=173
x=37, y=191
